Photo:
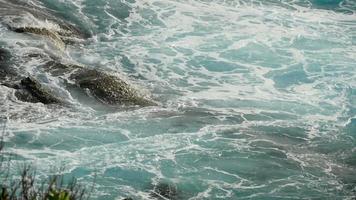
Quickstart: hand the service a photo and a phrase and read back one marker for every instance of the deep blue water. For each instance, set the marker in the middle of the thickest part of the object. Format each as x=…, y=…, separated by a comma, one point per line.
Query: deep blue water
x=257, y=99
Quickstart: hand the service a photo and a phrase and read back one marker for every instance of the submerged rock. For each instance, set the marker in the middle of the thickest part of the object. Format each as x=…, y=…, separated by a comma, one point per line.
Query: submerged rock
x=165, y=191
x=59, y=69
x=4, y=55
x=3, y=58
x=30, y=90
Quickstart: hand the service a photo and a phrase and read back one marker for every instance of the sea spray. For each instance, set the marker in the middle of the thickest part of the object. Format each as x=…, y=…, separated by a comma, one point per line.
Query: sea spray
x=256, y=99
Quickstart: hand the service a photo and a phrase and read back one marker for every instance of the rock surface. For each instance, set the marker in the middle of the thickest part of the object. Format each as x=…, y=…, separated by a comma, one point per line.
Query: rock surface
x=26, y=13
x=5, y=71
x=3, y=57
x=30, y=90
x=51, y=34
x=21, y=17
x=108, y=89
x=26, y=18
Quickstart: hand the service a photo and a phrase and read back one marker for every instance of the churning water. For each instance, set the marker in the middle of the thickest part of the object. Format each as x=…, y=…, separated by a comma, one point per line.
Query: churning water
x=257, y=99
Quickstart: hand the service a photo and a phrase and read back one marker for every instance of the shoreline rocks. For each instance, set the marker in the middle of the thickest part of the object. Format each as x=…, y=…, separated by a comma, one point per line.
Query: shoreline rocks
x=26, y=13
x=20, y=17
x=108, y=89
x=50, y=34
x=4, y=56
x=105, y=88
x=7, y=73
x=32, y=91
x=25, y=18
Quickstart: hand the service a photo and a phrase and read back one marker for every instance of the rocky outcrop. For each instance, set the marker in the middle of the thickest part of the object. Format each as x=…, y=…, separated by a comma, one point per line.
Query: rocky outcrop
x=109, y=89
x=22, y=17
x=30, y=90
x=4, y=55
x=26, y=18
x=53, y=35
x=6, y=72
x=3, y=58
x=25, y=13
x=106, y=88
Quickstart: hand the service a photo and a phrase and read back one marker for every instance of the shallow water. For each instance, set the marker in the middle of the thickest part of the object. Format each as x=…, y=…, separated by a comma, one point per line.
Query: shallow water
x=257, y=99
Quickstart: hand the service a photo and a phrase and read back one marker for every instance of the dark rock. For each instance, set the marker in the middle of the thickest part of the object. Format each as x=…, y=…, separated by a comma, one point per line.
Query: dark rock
x=2, y=75
x=21, y=8
x=12, y=85
x=165, y=191
x=4, y=55
x=51, y=34
x=106, y=88
x=38, y=31
x=109, y=89
x=5, y=70
x=30, y=90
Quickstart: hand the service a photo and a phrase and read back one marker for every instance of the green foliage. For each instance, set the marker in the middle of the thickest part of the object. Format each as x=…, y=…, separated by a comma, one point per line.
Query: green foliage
x=26, y=187
x=58, y=195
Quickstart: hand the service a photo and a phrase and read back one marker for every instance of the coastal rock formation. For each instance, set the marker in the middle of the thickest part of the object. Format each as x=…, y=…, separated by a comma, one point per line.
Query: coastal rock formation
x=30, y=90
x=109, y=89
x=54, y=36
x=22, y=17
x=6, y=72
x=16, y=14
x=106, y=88
x=27, y=89
x=4, y=55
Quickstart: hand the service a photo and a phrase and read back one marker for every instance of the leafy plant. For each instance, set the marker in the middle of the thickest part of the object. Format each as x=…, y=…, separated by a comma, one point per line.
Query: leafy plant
x=26, y=188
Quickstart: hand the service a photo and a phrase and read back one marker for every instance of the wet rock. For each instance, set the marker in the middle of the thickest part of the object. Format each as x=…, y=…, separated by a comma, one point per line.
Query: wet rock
x=106, y=88
x=22, y=12
x=4, y=55
x=6, y=72
x=27, y=18
x=3, y=58
x=109, y=89
x=30, y=90
x=165, y=191
x=51, y=34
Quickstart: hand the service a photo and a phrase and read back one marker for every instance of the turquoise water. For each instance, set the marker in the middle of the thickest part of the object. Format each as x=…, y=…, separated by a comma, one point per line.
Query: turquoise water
x=257, y=99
